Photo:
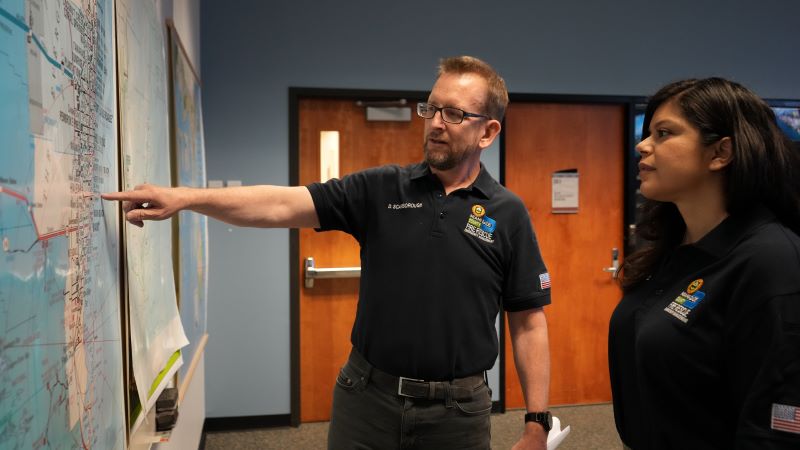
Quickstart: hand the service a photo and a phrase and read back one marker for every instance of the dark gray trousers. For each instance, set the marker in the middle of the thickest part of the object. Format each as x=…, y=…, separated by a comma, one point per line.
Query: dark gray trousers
x=368, y=414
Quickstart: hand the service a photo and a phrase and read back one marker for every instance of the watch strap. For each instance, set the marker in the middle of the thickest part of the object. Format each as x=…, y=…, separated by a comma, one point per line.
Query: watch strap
x=543, y=418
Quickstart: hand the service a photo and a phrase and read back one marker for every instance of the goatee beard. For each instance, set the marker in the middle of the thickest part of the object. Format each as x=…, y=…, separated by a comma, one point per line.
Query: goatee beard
x=446, y=162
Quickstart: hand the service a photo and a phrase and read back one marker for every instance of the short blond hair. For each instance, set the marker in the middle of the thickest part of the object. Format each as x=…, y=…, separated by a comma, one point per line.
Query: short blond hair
x=497, y=97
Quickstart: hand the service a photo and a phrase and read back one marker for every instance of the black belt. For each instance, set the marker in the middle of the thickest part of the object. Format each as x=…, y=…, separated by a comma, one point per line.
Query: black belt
x=459, y=389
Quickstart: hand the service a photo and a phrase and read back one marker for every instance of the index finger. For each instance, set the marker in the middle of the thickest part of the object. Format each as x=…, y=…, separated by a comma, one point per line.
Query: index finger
x=132, y=196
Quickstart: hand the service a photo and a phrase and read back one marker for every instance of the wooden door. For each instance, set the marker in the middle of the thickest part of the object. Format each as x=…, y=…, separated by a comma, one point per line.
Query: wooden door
x=541, y=139
x=327, y=310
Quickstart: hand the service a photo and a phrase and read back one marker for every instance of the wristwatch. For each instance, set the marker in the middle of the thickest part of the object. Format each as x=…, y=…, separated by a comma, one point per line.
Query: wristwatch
x=545, y=419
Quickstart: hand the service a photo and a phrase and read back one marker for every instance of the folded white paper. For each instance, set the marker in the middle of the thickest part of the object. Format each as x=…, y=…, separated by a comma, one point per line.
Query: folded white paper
x=556, y=434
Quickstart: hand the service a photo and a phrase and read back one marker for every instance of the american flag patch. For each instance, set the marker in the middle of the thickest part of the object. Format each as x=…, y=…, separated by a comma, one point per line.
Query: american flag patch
x=786, y=418
x=544, y=280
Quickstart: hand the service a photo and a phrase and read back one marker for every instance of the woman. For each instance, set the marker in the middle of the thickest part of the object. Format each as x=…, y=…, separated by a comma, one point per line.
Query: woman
x=704, y=347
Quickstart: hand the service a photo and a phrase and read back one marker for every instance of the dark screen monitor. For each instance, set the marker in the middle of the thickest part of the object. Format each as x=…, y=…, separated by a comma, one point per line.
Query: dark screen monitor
x=787, y=114
x=638, y=124
x=788, y=118
x=633, y=197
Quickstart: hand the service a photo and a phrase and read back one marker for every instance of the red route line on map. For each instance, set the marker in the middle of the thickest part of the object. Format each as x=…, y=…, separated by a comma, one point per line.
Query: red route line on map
x=39, y=237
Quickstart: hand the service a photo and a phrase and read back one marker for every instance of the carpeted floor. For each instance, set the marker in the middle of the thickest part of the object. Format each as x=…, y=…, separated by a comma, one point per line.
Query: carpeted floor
x=592, y=427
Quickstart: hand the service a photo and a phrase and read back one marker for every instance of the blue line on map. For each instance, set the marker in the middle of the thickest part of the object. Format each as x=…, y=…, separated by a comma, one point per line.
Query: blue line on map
x=49, y=58
x=23, y=250
x=14, y=20
x=26, y=29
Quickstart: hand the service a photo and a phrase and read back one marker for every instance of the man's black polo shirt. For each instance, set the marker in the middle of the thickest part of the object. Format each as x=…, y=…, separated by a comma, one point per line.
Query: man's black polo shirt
x=706, y=353
x=434, y=267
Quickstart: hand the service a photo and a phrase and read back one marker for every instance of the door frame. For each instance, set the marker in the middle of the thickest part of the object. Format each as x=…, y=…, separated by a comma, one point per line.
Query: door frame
x=299, y=93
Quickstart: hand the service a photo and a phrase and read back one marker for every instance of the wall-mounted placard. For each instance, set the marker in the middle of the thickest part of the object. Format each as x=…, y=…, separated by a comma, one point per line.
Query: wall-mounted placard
x=565, y=191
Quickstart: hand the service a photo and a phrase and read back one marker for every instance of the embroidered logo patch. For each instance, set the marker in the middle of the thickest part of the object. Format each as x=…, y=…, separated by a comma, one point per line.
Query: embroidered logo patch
x=480, y=225
x=785, y=418
x=683, y=304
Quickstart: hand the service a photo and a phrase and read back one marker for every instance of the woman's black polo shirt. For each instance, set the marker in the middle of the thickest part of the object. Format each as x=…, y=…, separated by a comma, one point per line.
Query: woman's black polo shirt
x=434, y=267
x=705, y=354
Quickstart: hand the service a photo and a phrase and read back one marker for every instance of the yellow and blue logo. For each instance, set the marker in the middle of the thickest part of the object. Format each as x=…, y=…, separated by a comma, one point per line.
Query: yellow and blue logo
x=480, y=225
x=683, y=304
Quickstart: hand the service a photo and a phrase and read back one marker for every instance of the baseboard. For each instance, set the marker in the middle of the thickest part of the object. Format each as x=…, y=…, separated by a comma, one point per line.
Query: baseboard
x=497, y=407
x=217, y=424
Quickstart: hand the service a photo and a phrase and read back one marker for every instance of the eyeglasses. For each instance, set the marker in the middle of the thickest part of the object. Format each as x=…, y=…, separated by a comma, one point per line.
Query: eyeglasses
x=449, y=115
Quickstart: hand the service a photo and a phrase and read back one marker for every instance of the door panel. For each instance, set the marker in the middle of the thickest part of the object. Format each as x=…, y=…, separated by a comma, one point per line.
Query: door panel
x=327, y=310
x=541, y=139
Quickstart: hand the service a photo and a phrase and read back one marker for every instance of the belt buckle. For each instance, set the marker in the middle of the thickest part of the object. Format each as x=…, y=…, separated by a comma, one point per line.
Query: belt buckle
x=400, y=385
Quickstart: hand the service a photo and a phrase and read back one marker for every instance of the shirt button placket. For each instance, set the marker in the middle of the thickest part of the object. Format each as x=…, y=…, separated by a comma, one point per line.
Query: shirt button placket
x=441, y=200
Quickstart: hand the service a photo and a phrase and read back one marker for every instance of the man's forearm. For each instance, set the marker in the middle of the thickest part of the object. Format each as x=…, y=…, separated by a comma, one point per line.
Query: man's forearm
x=528, y=331
x=248, y=206
x=529, y=339
x=255, y=206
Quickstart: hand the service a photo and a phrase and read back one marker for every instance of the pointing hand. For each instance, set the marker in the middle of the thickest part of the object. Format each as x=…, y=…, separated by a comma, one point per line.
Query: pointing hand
x=147, y=202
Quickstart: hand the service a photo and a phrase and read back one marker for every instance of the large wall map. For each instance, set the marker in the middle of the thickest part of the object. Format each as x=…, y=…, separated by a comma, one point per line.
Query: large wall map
x=61, y=383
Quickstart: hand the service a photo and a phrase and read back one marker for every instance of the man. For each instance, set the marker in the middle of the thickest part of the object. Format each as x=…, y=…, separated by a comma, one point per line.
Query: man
x=443, y=245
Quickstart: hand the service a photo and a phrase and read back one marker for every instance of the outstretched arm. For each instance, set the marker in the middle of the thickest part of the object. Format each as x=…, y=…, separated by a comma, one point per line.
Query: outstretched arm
x=249, y=206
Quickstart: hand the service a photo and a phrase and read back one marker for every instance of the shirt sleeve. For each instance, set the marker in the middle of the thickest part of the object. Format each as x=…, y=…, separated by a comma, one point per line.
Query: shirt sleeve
x=341, y=204
x=527, y=282
x=764, y=368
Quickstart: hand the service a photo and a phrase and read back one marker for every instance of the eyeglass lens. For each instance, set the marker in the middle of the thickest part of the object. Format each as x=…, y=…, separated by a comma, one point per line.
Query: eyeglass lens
x=451, y=115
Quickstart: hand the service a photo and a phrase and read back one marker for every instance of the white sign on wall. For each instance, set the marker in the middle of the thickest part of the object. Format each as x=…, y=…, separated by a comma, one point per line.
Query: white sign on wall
x=565, y=191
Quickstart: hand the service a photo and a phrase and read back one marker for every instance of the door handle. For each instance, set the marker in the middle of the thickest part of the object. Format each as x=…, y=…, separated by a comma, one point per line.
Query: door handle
x=312, y=273
x=614, y=263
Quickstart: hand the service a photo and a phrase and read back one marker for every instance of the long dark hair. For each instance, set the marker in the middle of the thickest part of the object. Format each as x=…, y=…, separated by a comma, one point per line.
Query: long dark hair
x=764, y=170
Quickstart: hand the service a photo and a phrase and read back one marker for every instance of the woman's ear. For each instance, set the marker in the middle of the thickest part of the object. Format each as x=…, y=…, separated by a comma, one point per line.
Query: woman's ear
x=723, y=154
